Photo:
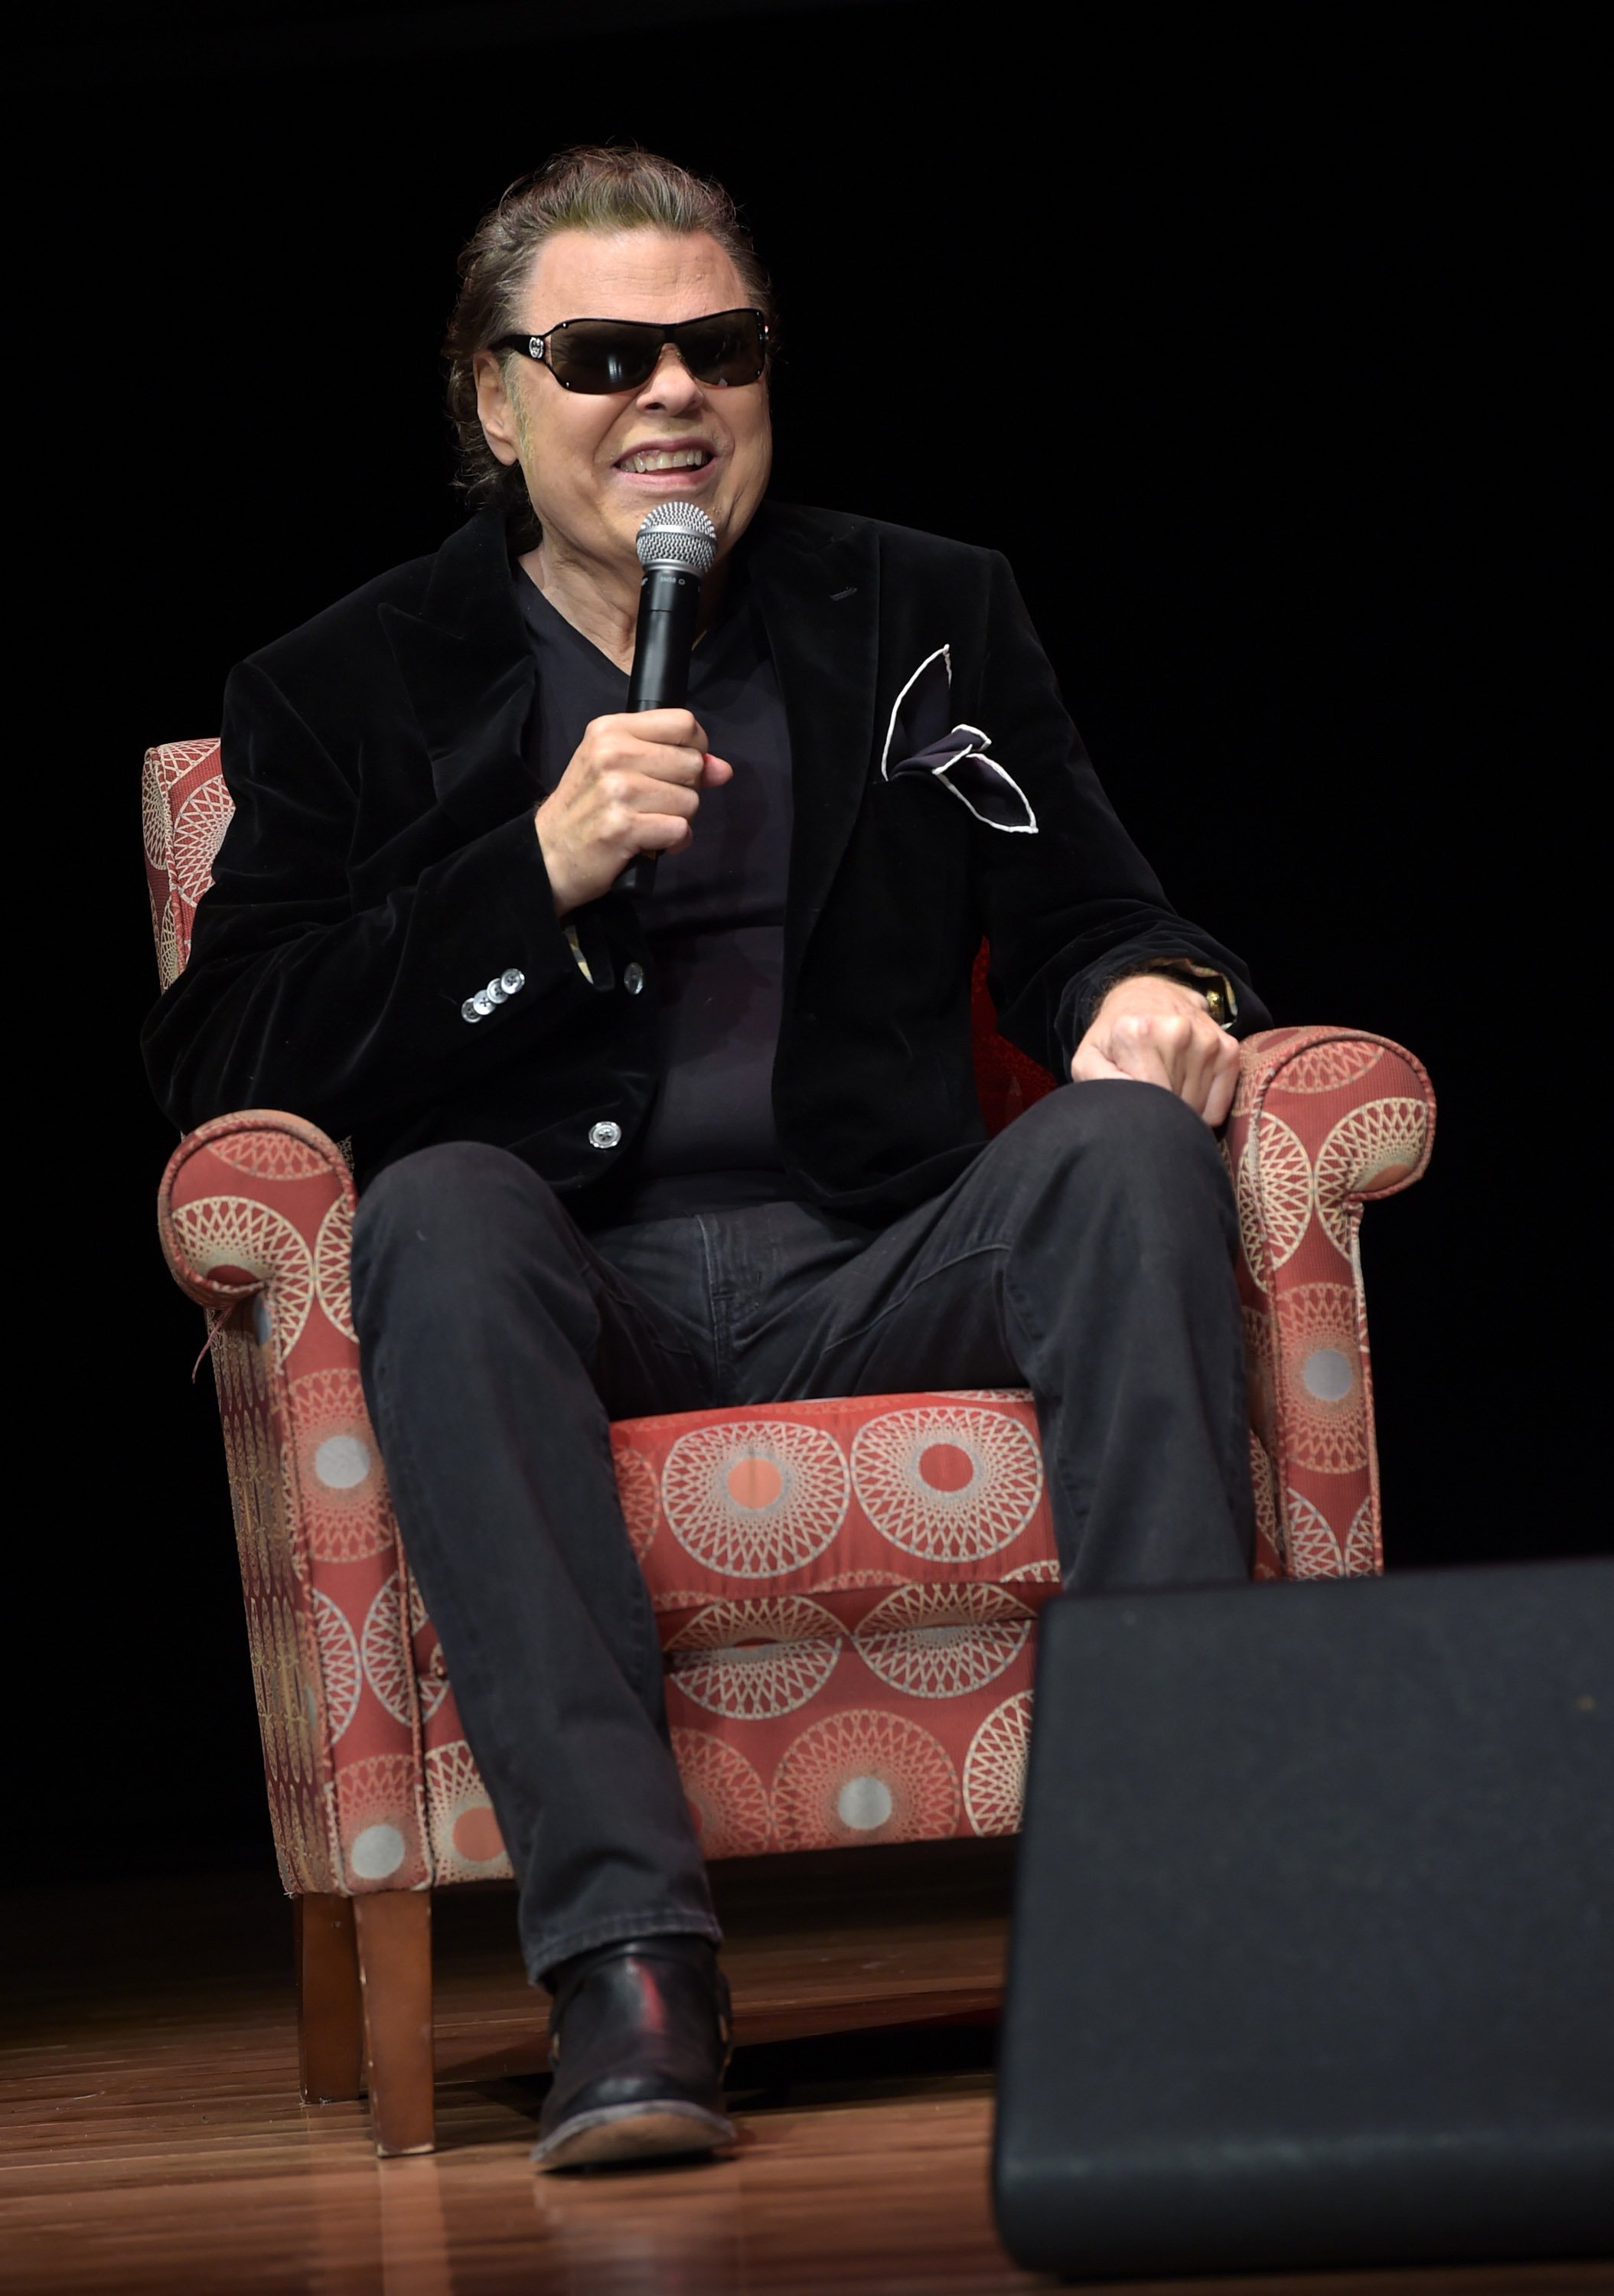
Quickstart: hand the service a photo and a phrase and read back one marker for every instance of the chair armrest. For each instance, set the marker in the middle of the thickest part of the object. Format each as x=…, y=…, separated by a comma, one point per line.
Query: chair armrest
x=1323, y=1120
x=260, y=1203
x=1359, y=1106
x=255, y=1213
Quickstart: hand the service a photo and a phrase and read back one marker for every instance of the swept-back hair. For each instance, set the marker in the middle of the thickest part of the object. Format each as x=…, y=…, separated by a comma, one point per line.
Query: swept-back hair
x=592, y=187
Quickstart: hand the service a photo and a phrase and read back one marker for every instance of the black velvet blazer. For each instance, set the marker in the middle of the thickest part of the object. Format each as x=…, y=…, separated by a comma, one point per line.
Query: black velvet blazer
x=382, y=867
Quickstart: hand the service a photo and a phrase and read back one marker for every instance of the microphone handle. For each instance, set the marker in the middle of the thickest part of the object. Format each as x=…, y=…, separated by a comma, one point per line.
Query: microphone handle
x=669, y=606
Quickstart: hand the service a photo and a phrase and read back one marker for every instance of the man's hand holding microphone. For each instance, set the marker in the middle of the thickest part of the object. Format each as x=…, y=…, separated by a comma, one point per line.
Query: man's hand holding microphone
x=633, y=787
x=634, y=784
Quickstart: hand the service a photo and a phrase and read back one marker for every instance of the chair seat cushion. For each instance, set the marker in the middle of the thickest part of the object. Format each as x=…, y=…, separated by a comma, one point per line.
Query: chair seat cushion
x=857, y=1516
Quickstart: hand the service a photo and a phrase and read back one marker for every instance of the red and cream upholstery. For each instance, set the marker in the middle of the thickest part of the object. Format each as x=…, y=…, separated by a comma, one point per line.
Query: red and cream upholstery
x=846, y=1590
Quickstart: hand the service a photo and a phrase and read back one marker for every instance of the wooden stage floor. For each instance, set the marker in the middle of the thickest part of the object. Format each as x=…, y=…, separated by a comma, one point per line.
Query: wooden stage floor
x=153, y=2140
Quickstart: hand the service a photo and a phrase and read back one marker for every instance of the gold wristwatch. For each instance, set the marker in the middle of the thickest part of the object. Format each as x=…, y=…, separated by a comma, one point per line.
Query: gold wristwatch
x=1216, y=989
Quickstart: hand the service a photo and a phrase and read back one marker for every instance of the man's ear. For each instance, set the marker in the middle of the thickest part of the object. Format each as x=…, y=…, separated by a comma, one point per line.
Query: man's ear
x=494, y=409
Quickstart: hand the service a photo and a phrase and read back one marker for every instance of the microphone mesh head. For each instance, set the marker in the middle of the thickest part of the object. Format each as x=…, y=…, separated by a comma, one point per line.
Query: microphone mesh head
x=678, y=534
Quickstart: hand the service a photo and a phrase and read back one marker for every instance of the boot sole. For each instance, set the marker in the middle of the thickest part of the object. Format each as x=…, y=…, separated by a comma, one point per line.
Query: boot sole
x=618, y=2135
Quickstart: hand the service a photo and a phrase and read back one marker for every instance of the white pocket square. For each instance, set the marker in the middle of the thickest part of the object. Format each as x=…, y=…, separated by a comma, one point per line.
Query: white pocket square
x=922, y=738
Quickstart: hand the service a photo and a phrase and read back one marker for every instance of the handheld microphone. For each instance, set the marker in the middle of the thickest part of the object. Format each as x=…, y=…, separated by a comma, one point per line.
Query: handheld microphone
x=676, y=543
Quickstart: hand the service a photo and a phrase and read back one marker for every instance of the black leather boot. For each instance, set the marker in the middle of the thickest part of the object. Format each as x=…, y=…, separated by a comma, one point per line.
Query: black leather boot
x=639, y=2039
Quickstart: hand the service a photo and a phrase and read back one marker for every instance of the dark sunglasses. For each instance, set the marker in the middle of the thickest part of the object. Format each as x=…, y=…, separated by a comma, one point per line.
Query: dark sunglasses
x=725, y=348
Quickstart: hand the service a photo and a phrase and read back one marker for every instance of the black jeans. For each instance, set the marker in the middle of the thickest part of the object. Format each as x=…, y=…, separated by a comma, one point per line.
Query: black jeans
x=1087, y=1254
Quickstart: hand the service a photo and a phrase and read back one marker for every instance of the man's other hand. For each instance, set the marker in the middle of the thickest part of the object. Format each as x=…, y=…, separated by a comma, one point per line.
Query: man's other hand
x=633, y=786
x=1160, y=1032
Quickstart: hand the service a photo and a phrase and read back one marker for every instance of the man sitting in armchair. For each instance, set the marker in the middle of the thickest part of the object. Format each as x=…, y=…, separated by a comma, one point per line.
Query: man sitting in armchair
x=720, y=1144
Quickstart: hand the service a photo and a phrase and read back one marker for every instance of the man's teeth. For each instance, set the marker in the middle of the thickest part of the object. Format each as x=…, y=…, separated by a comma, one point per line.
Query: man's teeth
x=681, y=459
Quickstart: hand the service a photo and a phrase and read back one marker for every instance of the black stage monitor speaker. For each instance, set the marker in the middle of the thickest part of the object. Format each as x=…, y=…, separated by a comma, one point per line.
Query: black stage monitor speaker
x=1313, y=1959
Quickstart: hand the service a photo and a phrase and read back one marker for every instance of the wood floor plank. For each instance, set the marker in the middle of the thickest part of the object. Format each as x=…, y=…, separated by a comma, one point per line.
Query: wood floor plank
x=152, y=2142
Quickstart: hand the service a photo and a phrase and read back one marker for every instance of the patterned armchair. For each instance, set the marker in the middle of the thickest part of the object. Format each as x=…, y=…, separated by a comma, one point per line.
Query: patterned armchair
x=846, y=1590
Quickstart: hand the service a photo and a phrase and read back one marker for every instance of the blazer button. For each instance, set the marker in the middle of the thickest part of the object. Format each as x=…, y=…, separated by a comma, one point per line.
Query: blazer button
x=604, y=1135
x=468, y=1010
x=512, y=980
x=495, y=993
x=632, y=979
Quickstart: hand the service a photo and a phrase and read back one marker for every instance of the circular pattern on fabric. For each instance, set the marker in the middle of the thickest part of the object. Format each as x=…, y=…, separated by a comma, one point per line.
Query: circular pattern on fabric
x=994, y=1767
x=984, y=1394
x=376, y=1817
x=154, y=814
x=949, y=1482
x=1317, y=1551
x=1375, y=1147
x=758, y=1619
x=342, y=1485
x=1314, y=1551
x=338, y=1662
x=248, y=1241
x=466, y=1843
x=865, y=1776
x=920, y=1608
x=856, y=1582
x=1274, y=1195
x=1363, y=1556
x=376, y=1852
x=758, y=1684
x=640, y=1495
x=268, y=1155
x=1046, y=1573
x=727, y=1799
x=171, y=950
x=197, y=834
x=942, y=1661
x=754, y=1499
x=1326, y=1374
x=341, y=1462
x=752, y=1661
x=943, y=1642
x=332, y=1266
x=389, y=1661
x=1325, y=1068
x=1324, y=1403
x=173, y=760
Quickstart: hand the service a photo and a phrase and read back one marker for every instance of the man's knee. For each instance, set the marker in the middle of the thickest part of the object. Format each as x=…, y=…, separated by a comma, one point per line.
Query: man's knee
x=1124, y=1141
x=1119, y=1120
x=462, y=1207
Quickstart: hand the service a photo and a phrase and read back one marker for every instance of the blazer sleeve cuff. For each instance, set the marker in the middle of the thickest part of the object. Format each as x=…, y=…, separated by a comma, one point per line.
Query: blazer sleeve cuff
x=500, y=953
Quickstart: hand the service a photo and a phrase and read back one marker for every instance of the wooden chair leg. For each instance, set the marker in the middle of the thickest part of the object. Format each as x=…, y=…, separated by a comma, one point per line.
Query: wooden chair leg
x=330, y=2018
x=394, y=1933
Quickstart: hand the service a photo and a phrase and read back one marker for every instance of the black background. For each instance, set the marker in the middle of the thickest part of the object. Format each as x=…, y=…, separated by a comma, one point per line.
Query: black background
x=1257, y=352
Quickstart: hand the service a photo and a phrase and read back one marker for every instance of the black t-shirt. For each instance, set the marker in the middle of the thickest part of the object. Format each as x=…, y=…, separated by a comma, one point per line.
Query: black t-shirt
x=716, y=920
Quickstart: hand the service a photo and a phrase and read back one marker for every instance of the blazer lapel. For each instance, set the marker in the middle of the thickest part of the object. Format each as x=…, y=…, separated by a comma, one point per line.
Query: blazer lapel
x=469, y=672
x=820, y=600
